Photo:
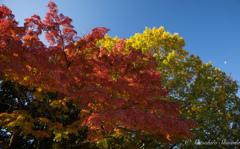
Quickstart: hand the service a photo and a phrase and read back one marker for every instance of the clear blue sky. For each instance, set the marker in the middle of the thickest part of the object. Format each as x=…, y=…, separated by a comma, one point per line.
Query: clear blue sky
x=211, y=29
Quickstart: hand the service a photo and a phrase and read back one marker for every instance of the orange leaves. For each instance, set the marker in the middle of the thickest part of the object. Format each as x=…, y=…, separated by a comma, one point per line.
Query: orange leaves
x=6, y=118
x=83, y=113
x=95, y=135
x=94, y=120
x=40, y=134
x=56, y=126
x=31, y=39
x=42, y=120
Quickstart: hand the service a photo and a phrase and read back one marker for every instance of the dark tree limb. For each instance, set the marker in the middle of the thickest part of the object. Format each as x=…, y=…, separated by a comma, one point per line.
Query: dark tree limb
x=13, y=139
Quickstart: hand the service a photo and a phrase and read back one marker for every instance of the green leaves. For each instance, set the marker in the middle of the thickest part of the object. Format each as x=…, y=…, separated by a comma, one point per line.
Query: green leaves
x=206, y=94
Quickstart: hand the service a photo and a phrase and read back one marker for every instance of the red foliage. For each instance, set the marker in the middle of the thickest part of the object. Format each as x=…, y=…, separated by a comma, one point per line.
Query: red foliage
x=118, y=91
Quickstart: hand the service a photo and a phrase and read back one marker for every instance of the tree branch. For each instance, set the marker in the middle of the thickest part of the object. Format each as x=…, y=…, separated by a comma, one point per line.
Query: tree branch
x=13, y=139
x=185, y=106
x=126, y=70
x=50, y=111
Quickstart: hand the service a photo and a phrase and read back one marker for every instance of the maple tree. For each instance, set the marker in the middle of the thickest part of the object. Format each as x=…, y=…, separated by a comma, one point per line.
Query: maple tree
x=207, y=95
x=76, y=92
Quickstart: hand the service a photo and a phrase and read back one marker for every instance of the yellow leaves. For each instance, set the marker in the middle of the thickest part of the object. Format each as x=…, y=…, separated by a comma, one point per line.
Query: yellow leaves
x=6, y=118
x=161, y=29
x=39, y=89
x=171, y=55
x=58, y=137
x=170, y=59
x=156, y=40
x=25, y=78
x=168, y=137
x=175, y=36
x=64, y=133
x=20, y=118
x=108, y=42
x=15, y=54
x=209, y=65
x=165, y=62
x=66, y=99
x=17, y=119
x=196, y=109
x=59, y=104
x=116, y=38
x=152, y=40
x=11, y=124
x=214, y=102
x=83, y=113
x=154, y=30
x=165, y=35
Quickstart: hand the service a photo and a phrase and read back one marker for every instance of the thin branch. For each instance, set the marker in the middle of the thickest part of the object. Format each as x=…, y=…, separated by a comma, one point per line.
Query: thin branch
x=126, y=70
x=50, y=111
x=13, y=138
x=185, y=106
x=63, y=48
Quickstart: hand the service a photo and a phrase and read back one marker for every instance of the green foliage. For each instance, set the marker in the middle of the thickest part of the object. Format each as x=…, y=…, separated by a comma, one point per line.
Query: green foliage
x=206, y=94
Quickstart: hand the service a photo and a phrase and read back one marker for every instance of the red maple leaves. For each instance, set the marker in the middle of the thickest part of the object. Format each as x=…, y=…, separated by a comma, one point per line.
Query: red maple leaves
x=115, y=90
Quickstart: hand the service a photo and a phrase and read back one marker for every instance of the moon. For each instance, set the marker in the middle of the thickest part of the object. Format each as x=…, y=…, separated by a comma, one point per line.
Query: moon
x=225, y=62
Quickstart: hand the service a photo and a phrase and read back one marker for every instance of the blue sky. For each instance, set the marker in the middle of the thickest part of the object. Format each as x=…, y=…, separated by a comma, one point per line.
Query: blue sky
x=211, y=29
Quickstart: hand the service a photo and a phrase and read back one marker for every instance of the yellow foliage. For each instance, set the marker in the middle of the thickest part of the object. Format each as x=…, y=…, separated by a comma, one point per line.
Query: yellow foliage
x=214, y=102
x=25, y=78
x=39, y=89
x=59, y=104
x=83, y=113
x=150, y=40
x=108, y=42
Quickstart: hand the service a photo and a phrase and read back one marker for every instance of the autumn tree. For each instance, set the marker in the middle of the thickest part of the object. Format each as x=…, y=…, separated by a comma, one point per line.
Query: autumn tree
x=75, y=93
x=207, y=95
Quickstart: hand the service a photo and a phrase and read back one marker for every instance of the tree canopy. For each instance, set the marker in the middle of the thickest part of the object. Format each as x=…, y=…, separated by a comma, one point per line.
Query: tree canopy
x=207, y=95
x=76, y=92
